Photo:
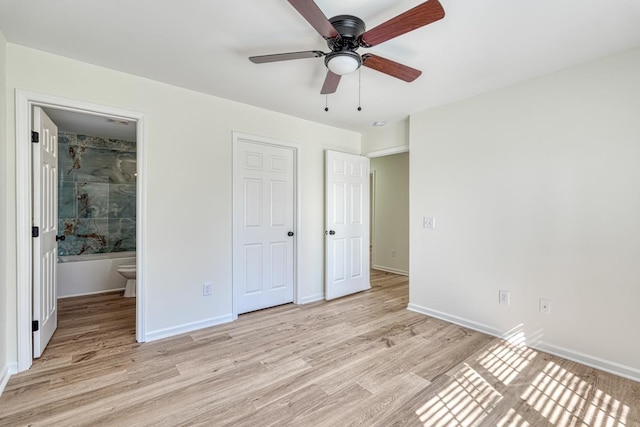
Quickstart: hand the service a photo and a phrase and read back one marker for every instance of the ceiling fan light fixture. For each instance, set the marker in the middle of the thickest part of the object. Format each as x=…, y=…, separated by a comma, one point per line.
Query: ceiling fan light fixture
x=343, y=62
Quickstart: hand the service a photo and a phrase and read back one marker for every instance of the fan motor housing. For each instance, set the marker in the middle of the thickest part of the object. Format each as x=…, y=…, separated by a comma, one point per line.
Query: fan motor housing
x=350, y=29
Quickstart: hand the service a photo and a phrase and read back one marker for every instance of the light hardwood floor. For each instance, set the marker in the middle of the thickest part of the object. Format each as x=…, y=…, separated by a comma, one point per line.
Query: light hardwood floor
x=359, y=360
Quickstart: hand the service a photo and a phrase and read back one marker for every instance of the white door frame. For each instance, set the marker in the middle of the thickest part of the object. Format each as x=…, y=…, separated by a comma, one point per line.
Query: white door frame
x=25, y=100
x=297, y=258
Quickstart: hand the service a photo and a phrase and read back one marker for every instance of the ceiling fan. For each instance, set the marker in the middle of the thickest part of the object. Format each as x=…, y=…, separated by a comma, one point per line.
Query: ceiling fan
x=346, y=33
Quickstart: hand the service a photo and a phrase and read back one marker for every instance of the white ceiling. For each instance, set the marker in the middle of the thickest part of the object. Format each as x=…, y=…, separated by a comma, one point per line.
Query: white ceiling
x=203, y=45
x=92, y=124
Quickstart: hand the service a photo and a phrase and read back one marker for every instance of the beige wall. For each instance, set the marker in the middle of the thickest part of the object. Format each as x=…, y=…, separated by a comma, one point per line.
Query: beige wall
x=189, y=211
x=535, y=190
x=390, y=234
x=4, y=247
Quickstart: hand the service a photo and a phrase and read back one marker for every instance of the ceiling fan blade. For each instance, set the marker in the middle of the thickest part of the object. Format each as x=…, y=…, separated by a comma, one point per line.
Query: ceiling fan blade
x=419, y=16
x=392, y=68
x=314, y=16
x=286, y=56
x=330, y=83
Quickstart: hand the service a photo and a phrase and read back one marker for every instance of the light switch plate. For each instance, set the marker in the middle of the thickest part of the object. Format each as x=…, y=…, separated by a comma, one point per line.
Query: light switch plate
x=504, y=297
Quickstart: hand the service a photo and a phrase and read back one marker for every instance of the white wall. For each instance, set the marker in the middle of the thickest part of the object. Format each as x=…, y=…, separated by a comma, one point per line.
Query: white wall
x=188, y=221
x=536, y=190
x=94, y=275
x=389, y=138
x=4, y=194
x=390, y=234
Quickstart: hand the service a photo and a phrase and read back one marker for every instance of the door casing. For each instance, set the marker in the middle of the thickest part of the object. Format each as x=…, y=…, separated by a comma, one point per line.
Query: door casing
x=297, y=259
x=24, y=103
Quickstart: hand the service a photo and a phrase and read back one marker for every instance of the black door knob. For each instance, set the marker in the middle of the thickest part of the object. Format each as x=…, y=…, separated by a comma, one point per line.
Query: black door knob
x=331, y=232
x=62, y=237
x=290, y=233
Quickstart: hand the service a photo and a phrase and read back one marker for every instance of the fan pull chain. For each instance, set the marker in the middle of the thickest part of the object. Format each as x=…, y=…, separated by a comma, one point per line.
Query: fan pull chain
x=359, y=89
x=326, y=103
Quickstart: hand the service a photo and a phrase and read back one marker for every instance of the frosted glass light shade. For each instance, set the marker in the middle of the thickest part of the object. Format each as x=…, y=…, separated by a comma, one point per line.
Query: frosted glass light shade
x=342, y=64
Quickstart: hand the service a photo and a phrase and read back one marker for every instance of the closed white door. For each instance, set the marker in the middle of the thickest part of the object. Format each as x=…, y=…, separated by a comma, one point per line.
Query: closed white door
x=45, y=221
x=264, y=235
x=347, y=224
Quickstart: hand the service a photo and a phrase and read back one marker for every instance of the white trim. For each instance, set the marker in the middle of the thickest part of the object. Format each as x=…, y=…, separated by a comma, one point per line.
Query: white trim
x=372, y=211
x=588, y=360
x=85, y=294
x=188, y=327
x=4, y=378
x=387, y=151
x=5, y=375
x=565, y=353
x=24, y=103
x=312, y=298
x=390, y=270
x=299, y=234
x=476, y=326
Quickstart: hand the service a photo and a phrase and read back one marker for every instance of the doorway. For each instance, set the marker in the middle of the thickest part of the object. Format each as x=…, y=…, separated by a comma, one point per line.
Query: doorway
x=390, y=213
x=25, y=103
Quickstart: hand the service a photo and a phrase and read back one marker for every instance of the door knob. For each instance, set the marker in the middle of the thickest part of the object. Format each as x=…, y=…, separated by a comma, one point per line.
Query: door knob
x=62, y=237
x=331, y=232
x=290, y=233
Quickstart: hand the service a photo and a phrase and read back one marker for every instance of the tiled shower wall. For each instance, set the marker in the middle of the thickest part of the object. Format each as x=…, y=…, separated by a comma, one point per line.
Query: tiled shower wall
x=96, y=194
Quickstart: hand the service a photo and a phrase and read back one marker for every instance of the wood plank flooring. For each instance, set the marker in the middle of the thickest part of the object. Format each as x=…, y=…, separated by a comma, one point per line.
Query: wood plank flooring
x=360, y=360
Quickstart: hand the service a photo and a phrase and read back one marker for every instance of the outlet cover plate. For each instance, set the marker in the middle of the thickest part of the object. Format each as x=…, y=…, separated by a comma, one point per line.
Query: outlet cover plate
x=545, y=306
x=429, y=222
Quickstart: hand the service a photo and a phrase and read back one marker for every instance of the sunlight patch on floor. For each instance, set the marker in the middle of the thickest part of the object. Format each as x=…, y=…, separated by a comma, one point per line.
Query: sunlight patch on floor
x=506, y=360
x=560, y=397
x=464, y=401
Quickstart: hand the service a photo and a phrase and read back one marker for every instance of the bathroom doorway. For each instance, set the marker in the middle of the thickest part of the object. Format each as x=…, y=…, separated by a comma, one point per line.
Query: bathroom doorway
x=98, y=119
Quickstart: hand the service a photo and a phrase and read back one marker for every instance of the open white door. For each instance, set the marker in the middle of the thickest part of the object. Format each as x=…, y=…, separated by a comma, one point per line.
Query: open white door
x=264, y=218
x=347, y=224
x=45, y=223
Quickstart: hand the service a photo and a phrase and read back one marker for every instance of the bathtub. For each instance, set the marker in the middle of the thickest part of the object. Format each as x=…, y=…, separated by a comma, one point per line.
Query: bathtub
x=91, y=274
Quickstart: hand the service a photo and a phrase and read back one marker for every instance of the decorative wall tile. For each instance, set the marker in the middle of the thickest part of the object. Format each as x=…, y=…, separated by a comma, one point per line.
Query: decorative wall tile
x=84, y=236
x=97, y=194
x=93, y=200
x=122, y=201
x=122, y=234
x=67, y=207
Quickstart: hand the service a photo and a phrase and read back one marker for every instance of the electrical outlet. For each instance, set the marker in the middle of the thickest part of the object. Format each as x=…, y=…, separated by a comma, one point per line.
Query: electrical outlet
x=207, y=289
x=429, y=222
x=545, y=306
x=504, y=297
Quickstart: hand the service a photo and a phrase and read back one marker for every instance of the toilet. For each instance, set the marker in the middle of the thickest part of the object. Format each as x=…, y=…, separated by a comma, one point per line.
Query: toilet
x=128, y=271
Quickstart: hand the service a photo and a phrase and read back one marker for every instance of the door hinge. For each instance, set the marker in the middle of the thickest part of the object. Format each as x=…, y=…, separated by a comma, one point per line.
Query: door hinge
x=35, y=231
x=35, y=136
x=35, y=326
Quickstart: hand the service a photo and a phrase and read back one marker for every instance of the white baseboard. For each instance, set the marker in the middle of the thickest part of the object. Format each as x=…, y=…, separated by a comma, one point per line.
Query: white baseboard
x=390, y=270
x=106, y=291
x=481, y=327
x=588, y=360
x=565, y=353
x=188, y=327
x=6, y=373
x=312, y=298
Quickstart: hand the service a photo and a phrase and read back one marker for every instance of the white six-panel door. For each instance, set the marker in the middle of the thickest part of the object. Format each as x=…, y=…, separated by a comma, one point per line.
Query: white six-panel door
x=347, y=224
x=263, y=253
x=45, y=217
